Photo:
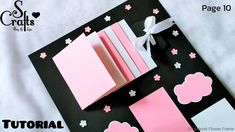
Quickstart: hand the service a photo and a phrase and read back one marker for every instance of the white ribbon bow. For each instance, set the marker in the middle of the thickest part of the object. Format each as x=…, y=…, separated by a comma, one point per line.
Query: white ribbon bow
x=152, y=28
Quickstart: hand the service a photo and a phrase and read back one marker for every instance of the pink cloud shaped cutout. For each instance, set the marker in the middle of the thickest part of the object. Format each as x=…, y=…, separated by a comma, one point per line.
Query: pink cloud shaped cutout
x=116, y=126
x=194, y=87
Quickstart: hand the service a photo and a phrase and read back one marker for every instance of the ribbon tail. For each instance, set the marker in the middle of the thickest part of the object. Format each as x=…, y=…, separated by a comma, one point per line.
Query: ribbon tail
x=148, y=47
x=140, y=42
x=152, y=40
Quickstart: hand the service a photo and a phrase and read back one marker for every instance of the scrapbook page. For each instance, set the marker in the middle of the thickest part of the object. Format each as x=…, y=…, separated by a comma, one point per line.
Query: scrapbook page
x=132, y=70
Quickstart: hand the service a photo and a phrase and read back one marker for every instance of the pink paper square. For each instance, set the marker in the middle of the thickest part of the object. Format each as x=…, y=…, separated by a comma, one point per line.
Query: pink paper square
x=83, y=72
x=158, y=113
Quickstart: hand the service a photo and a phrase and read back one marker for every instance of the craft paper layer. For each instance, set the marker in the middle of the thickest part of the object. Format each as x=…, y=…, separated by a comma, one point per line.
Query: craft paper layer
x=132, y=37
x=83, y=71
x=130, y=48
x=116, y=56
x=109, y=32
x=158, y=113
x=107, y=60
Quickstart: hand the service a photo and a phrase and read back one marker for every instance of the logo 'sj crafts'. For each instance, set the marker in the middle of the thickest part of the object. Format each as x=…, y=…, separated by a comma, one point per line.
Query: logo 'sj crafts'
x=20, y=20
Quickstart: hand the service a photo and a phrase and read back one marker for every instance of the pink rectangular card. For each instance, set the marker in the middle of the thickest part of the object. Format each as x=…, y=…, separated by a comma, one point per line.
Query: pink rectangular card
x=84, y=72
x=158, y=113
x=130, y=48
x=116, y=56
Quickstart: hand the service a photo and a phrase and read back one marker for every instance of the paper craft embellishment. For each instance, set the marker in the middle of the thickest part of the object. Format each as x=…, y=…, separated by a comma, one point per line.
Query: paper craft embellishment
x=194, y=87
x=68, y=41
x=83, y=123
x=174, y=51
x=132, y=93
x=43, y=55
x=155, y=11
x=107, y=18
x=157, y=77
x=177, y=65
x=76, y=64
x=192, y=55
x=107, y=108
x=127, y=7
x=220, y=115
x=175, y=33
x=116, y=126
x=158, y=113
x=87, y=29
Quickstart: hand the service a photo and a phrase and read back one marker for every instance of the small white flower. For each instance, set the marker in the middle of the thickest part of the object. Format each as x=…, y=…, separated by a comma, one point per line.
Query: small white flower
x=83, y=123
x=68, y=41
x=177, y=65
x=132, y=93
x=107, y=18
x=175, y=33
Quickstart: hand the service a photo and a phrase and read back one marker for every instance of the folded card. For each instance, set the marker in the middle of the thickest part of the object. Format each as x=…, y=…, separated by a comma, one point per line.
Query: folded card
x=76, y=64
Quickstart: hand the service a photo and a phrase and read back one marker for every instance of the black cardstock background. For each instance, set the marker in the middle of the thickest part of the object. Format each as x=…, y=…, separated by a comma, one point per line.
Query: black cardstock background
x=119, y=101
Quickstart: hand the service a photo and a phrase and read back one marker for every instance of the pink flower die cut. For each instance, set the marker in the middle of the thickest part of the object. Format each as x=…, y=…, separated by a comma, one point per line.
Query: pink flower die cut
x=174, y=51
x=87, y=29
x=157, y=77
x=107, y=108
x=194, y=87
x=127, y=7
x=192, y=55
x=43, y=55
x=116, y=126
x=155, y=11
